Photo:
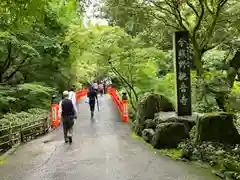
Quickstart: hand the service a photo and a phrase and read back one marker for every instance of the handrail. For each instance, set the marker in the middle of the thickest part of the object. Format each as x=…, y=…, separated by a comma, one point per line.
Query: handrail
x=122, y=105
x=80, y=94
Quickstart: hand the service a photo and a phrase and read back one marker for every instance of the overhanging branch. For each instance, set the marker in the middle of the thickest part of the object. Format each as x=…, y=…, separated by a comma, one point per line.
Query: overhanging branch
x=17, y=68
x=123, y=79
x=165, y=21
x=193, y=8
x=213, y=24
x=208, y=8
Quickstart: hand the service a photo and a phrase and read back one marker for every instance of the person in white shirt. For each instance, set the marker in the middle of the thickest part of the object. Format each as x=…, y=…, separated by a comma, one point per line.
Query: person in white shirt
x=72, y=97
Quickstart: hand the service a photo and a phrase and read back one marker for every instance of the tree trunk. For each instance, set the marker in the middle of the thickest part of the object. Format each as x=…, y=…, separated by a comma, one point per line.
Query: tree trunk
x=198, y=63
x=129, y=95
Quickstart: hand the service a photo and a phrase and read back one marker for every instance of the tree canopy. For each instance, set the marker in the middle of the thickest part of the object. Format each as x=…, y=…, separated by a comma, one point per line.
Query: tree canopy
x=57, y=50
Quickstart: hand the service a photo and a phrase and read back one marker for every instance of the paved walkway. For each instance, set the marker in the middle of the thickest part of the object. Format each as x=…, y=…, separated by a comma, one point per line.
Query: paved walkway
x=101, y=149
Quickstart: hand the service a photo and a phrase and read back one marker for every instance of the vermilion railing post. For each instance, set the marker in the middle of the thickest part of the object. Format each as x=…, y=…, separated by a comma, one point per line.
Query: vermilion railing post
x=54, y=112
x=76, y=95
x=122, y=105
x=125, y=107
x=82, y=93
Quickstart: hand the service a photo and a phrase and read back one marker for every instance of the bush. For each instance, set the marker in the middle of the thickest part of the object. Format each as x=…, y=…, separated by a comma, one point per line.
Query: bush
x=6, y=99
x=24, y=97
x=223, y=157
x=15, y=119
x=166, y=87
x=34, y=96
x=18, y=127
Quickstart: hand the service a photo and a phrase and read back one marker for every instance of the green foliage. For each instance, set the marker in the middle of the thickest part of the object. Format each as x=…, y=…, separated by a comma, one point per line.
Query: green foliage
x=166, y=86
x=215, y=60
x=33, y=49
x=104, y=50
x=214, y=34
x=24, y=97
x=33, y=96
x=22, y=118
x=209, y=24
x=222, y=157
x=34, y=58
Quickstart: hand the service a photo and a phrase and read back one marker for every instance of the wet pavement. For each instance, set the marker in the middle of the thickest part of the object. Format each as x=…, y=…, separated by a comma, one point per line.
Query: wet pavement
x=102, y=149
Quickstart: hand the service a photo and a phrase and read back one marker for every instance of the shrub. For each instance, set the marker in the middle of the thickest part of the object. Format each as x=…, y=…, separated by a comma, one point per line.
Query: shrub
x=14, y=119
x=24, y=97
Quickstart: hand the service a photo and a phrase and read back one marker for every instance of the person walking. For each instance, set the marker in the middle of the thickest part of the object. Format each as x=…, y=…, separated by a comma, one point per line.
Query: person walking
x=72, y=97
x=67, y=114
x=92, y=96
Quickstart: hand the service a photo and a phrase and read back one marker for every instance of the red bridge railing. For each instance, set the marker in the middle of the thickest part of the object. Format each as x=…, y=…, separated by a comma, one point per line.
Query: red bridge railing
x=81, y=94
x=121, y=103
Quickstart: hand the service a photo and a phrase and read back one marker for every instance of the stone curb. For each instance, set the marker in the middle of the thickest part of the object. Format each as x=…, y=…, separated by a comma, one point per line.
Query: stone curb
x=14, y=148
x=11, y=151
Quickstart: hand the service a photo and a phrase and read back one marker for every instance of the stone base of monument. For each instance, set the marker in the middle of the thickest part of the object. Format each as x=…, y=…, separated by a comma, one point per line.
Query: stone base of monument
x=167, y=129
x=148, y=106
x=188, y=121
x=171, y=129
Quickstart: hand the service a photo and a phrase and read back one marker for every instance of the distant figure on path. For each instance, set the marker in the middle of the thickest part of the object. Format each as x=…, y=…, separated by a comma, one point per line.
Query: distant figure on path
x=92, y=95
x=67, y=114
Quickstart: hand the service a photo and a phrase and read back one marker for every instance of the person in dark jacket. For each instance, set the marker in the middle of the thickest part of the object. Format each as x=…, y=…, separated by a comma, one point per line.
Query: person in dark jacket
x=92, y=96
x=67, y=114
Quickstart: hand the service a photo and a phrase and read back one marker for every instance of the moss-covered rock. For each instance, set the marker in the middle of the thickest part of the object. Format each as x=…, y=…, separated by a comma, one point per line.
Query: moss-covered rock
x=148, y=106
x=150, y=123
x=147, y=134
x=138, y=128
x=218, y=127
x=188, y=121
x=168, y=135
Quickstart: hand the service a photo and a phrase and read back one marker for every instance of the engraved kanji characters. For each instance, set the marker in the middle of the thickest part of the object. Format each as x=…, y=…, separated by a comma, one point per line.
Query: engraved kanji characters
x=182, y=76
x=183, y=88
x=184, y=100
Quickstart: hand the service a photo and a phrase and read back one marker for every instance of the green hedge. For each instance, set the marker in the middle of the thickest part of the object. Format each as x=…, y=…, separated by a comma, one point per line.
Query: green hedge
x=21, y=118
x=24, y=97
x=18, y=127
